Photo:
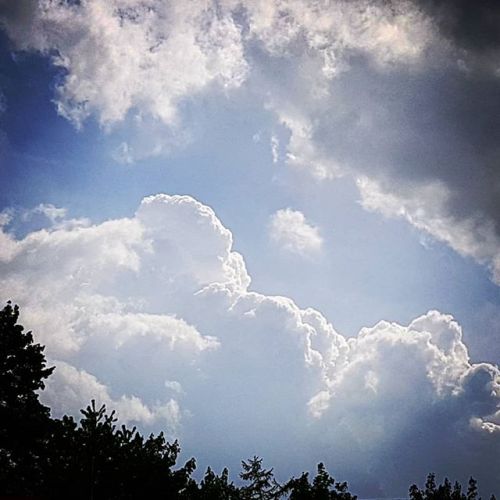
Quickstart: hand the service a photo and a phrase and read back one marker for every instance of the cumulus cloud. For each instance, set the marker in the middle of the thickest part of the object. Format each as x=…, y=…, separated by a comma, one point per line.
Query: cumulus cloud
x=425, y=365
x=400, y=93
x=290, y=230
x=153, y=315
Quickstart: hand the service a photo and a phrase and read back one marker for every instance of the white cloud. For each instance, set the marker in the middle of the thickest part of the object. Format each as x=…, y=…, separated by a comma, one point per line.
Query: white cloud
x=396, y=375
x=275, y=148
x=148, y=58
x=52, y=213
x=174, y=385
x=69, y=388
x=290, y=230
x=396, y=33
x=135, y=54
x=301, y=150
x=152, y=315
x=6, y=216
x=150, y=55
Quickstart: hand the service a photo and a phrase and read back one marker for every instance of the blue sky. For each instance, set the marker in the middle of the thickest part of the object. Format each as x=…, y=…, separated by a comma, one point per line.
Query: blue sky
x=349, y=156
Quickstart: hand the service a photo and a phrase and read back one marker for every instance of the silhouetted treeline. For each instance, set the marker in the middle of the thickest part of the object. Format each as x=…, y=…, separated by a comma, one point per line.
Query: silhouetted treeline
x=42, y=457
x=445, y=491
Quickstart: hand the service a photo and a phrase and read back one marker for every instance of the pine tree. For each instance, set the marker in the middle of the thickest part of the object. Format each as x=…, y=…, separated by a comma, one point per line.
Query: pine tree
x=472, y=489
x=24, y=421
x=262, y=485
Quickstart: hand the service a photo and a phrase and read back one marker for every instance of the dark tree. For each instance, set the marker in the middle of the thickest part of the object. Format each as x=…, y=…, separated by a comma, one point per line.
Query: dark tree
x=415, y=493
x=40, y=456
x=24, y=421
x=472, y=489
x=456, y=494
x=444, y=491
x=261, y=483
x=98, y=461
x=430, y=487
x=213, y=487
x=299, y=488
x=323, y=487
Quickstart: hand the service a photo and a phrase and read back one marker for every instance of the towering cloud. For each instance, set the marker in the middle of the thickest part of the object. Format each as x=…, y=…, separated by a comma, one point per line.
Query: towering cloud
x=153, y=315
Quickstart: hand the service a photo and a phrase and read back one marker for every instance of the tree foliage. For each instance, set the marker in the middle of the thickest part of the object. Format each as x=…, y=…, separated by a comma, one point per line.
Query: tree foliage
x=444, y=491
x=323, y=487
x=213, y=487
x=104, y=461
x=24, y=421
x=261, y=484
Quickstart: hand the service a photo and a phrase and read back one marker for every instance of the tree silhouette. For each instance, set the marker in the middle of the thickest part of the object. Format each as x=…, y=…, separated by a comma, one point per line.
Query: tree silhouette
x=262, y=485
x=444, y=491
x=96, y=460
x=24, y=421
x=456, y=494
x=61, y=459
x=323, y=487
x=472, y=489
x=213, y=487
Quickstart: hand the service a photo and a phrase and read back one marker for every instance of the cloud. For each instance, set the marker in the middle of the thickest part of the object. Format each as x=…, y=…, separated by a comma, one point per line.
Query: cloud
x=275, y=148
x=153, y=315
x=123, y=154
x=290, y=230
x=402, y=94
x=69, y=387
x=47, y=210
x=425, y=208
x=473, y=28
x=418, y=130
x=135, y=55
x=397, y=374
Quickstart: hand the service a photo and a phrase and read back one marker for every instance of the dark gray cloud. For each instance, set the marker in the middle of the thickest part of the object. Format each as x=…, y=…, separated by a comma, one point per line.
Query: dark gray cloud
x=441, y=125
x=421, y=131
x=472, y=26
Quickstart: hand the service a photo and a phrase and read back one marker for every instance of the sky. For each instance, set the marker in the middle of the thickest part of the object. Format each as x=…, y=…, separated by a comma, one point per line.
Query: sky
x=266, y=227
